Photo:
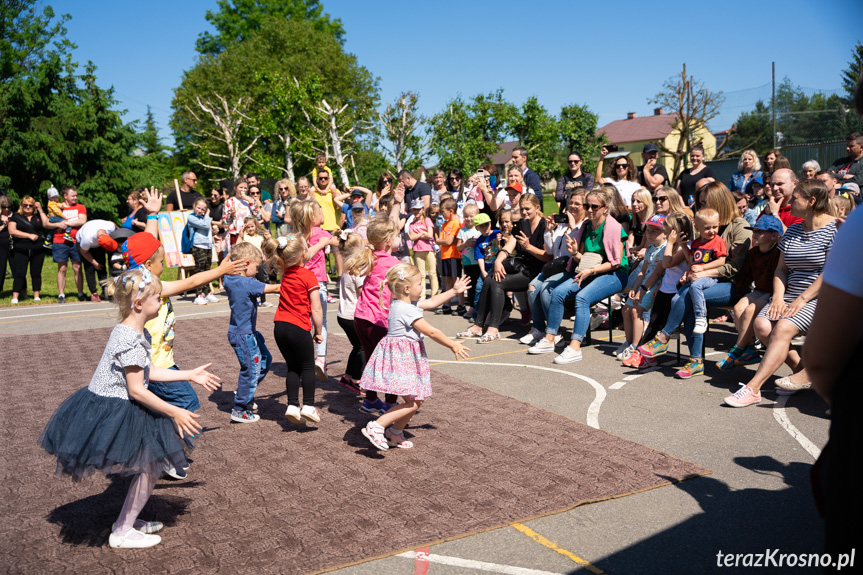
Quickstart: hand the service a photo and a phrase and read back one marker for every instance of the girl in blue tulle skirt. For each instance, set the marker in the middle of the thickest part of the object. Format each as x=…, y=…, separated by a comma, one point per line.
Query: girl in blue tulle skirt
x=115, y=424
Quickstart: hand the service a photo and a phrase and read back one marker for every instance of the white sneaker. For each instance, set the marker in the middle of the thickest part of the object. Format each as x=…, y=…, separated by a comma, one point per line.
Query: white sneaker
x=14, y=301
x=542, y=346
x=293, y=414
x=212, y=298
x=309, y=413
x=133, y=539
x=620, y=349
x=700, y=325
x=530, y=338
x=626, y=353
x=569, y=355
x=557, y=339
x=37, y=298
x=201, y=300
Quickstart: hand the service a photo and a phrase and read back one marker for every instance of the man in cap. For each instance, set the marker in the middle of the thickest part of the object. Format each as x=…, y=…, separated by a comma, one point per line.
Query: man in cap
x=651, y=175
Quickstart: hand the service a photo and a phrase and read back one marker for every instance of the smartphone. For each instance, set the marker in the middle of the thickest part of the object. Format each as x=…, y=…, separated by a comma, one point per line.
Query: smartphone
x=561, y=218
x=481, y=173
x=612, y=147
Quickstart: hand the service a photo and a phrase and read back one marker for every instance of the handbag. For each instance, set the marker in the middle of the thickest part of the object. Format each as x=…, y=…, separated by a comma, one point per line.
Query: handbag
x=555, y=266
x=515, y=266
x=588, y=261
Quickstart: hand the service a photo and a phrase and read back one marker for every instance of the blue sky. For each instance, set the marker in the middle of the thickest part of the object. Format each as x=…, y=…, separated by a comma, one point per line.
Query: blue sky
x=612, y=57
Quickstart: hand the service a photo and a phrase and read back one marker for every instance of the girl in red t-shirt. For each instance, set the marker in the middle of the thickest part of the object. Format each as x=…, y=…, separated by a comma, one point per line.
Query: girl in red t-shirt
x=307, y=217
x=298, y=302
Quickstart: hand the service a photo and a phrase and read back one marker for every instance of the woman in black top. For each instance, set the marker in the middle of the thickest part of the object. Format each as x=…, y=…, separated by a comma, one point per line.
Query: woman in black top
x=572, y=179
x=5, y=243
x=527, y=244
x=687, y=180
x=26, y=227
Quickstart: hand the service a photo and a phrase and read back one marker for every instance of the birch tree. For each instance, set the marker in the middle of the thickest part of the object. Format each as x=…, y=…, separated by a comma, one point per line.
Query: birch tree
x=333, y=130
x=223, y=122
x=402, y=125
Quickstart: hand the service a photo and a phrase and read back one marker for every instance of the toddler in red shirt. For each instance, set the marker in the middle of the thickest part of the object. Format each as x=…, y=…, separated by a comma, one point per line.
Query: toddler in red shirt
x=704, y=254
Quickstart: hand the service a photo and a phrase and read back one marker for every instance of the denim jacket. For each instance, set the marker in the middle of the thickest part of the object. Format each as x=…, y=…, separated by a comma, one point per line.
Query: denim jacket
x=738, y=180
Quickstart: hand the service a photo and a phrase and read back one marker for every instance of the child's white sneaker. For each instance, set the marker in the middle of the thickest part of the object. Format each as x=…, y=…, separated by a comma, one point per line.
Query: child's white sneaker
x=700, y=325
x=201, y=300
x=293, y=414
x=212, y=298
x=309, y=413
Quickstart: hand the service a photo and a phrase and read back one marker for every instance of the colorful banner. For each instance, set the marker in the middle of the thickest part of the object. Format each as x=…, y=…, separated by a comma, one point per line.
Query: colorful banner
x=171, y=226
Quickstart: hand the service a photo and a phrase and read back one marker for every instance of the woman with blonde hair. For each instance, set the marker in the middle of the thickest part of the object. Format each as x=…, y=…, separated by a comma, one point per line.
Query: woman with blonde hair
x=621, y=173
x=748, y=170
x=280, y=214
x=667, y=201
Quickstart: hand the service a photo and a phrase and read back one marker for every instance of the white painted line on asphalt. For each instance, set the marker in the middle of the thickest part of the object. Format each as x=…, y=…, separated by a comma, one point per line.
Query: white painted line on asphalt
x=782, y=417
x=476, y=565
x=631, y=377
x=92, y=307
x=617, y=385
x=592, y=411
x=714, y=353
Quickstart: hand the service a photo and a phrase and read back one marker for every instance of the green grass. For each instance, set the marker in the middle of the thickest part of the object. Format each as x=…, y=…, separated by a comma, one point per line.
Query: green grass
x=49, y=284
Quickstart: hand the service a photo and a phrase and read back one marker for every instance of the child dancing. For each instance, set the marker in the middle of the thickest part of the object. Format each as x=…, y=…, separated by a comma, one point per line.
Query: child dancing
x=115, y=424
x=399, y=364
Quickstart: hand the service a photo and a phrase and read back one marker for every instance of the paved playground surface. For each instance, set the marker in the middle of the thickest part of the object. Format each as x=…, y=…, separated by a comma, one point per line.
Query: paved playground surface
x=757, y=496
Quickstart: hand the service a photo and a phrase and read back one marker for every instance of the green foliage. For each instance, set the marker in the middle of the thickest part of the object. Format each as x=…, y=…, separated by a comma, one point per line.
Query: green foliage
x=370, y=163
x=577, y=131
x=800, y=119
x=56, y=126
x=466, y=133
x=285, y=49
x=851, y=75
x=537, y=131
x=239, y=20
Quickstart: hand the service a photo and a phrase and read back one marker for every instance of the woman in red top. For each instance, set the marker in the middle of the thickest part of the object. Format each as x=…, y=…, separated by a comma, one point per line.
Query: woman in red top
x=298, y=300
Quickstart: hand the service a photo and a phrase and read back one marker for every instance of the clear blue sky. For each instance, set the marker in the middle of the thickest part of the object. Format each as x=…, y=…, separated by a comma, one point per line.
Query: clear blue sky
x=612, y=57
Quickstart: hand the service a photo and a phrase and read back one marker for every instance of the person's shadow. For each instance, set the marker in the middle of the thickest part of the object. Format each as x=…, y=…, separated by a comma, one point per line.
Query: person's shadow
x=88, y=521
x=742, y=521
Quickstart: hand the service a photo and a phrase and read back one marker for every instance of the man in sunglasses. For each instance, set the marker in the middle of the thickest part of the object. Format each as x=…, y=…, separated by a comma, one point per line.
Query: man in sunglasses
x=254, y=180
x=187, y=194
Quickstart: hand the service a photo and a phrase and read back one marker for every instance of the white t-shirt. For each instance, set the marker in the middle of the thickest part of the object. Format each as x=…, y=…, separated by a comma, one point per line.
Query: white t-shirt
x=87, y=237
x=841, y=271
x=401, y=319
x=626, y=189
x=349, y=291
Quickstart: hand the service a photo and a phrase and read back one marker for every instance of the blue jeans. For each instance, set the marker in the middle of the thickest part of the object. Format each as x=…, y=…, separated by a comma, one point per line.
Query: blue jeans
x=539, y=298
x=255, y=360
x=321, y=348
x=477, y=291
x=595, y=289
x=179, y=393
x=681, y=311
x=696, y=293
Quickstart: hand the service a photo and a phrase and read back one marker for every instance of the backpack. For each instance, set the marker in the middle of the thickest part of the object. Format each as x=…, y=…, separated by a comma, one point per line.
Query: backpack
x=186, y=240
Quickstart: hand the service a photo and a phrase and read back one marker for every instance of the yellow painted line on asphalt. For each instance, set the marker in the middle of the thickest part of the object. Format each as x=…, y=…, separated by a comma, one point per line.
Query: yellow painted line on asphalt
x=554, y=547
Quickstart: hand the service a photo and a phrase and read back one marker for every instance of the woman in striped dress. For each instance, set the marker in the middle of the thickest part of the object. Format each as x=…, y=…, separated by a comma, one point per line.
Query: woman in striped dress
x=804, y=250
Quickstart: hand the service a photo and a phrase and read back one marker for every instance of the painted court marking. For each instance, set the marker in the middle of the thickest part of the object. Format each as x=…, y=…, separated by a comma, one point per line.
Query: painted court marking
x=592, y=411
x=554, y=547
x=421, y=557
x=782, y=417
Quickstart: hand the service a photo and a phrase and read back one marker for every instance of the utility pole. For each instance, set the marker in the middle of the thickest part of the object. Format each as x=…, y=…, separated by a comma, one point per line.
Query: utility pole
x=774, y=105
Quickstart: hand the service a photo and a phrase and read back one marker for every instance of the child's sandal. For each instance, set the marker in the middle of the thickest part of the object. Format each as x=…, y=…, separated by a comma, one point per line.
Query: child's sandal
x=376, y=435
x=489, y=338
x=467, y=334
x=397, y=439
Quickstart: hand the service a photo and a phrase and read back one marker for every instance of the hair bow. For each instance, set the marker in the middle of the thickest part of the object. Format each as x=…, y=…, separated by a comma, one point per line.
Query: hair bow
x=283, y=242
x=401, y=274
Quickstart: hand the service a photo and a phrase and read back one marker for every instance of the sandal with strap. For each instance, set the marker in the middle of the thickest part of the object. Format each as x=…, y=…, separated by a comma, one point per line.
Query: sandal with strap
x=375, y=434
x=489, y=338
x=397, y=439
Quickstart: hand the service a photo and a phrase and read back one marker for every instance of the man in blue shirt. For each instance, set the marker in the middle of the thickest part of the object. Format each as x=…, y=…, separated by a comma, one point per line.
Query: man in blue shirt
x=531, y=179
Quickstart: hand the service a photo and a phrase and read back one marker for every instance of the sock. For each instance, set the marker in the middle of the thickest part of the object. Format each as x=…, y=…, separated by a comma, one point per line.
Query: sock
x=735, y=351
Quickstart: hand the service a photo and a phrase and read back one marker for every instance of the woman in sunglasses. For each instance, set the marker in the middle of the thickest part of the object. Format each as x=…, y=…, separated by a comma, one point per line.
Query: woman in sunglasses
x=620, y=173
x=667, y=201
x=237, y=208
x=5, y=243
x=27, y=231
x=686, y=183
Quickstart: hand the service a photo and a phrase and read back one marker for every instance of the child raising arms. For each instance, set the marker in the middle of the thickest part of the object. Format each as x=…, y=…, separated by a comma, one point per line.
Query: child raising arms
x=298, y=301
x=115, y=424
x=399, y=364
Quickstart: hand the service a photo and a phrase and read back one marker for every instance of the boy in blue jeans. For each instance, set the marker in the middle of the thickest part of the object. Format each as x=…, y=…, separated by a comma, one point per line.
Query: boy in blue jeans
x=248, y=343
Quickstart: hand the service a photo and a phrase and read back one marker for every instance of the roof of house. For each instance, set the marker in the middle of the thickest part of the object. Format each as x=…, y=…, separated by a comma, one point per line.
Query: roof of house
x=504, y=154
x=655, y=127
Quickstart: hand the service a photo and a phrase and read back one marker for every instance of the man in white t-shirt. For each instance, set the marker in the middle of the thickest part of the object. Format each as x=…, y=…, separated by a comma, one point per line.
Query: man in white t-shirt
x=93, y=254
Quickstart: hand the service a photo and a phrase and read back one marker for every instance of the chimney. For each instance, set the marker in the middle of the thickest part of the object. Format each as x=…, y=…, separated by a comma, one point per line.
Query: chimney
x=657, y=111
x=630, y=115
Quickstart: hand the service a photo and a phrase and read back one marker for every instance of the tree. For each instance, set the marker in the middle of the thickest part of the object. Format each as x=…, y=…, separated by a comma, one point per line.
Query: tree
x=223, y=122
x=537, y=131
x=465, y=134
x=284, y=49
x=238, y=20
x=851, y=75
x=333, y=129
x=57, y=126
x=577, y=131
x=694, y=106
x=401, y=125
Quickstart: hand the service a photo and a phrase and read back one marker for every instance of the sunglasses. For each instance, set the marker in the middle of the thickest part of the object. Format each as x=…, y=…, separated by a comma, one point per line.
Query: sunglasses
x=26, y=206
x=192, y=179
x=323, y=178
x=618, y=166
x=254, y=193
x=280, y=189
x=573, y=161
x=594, y=207
x=660, y=198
